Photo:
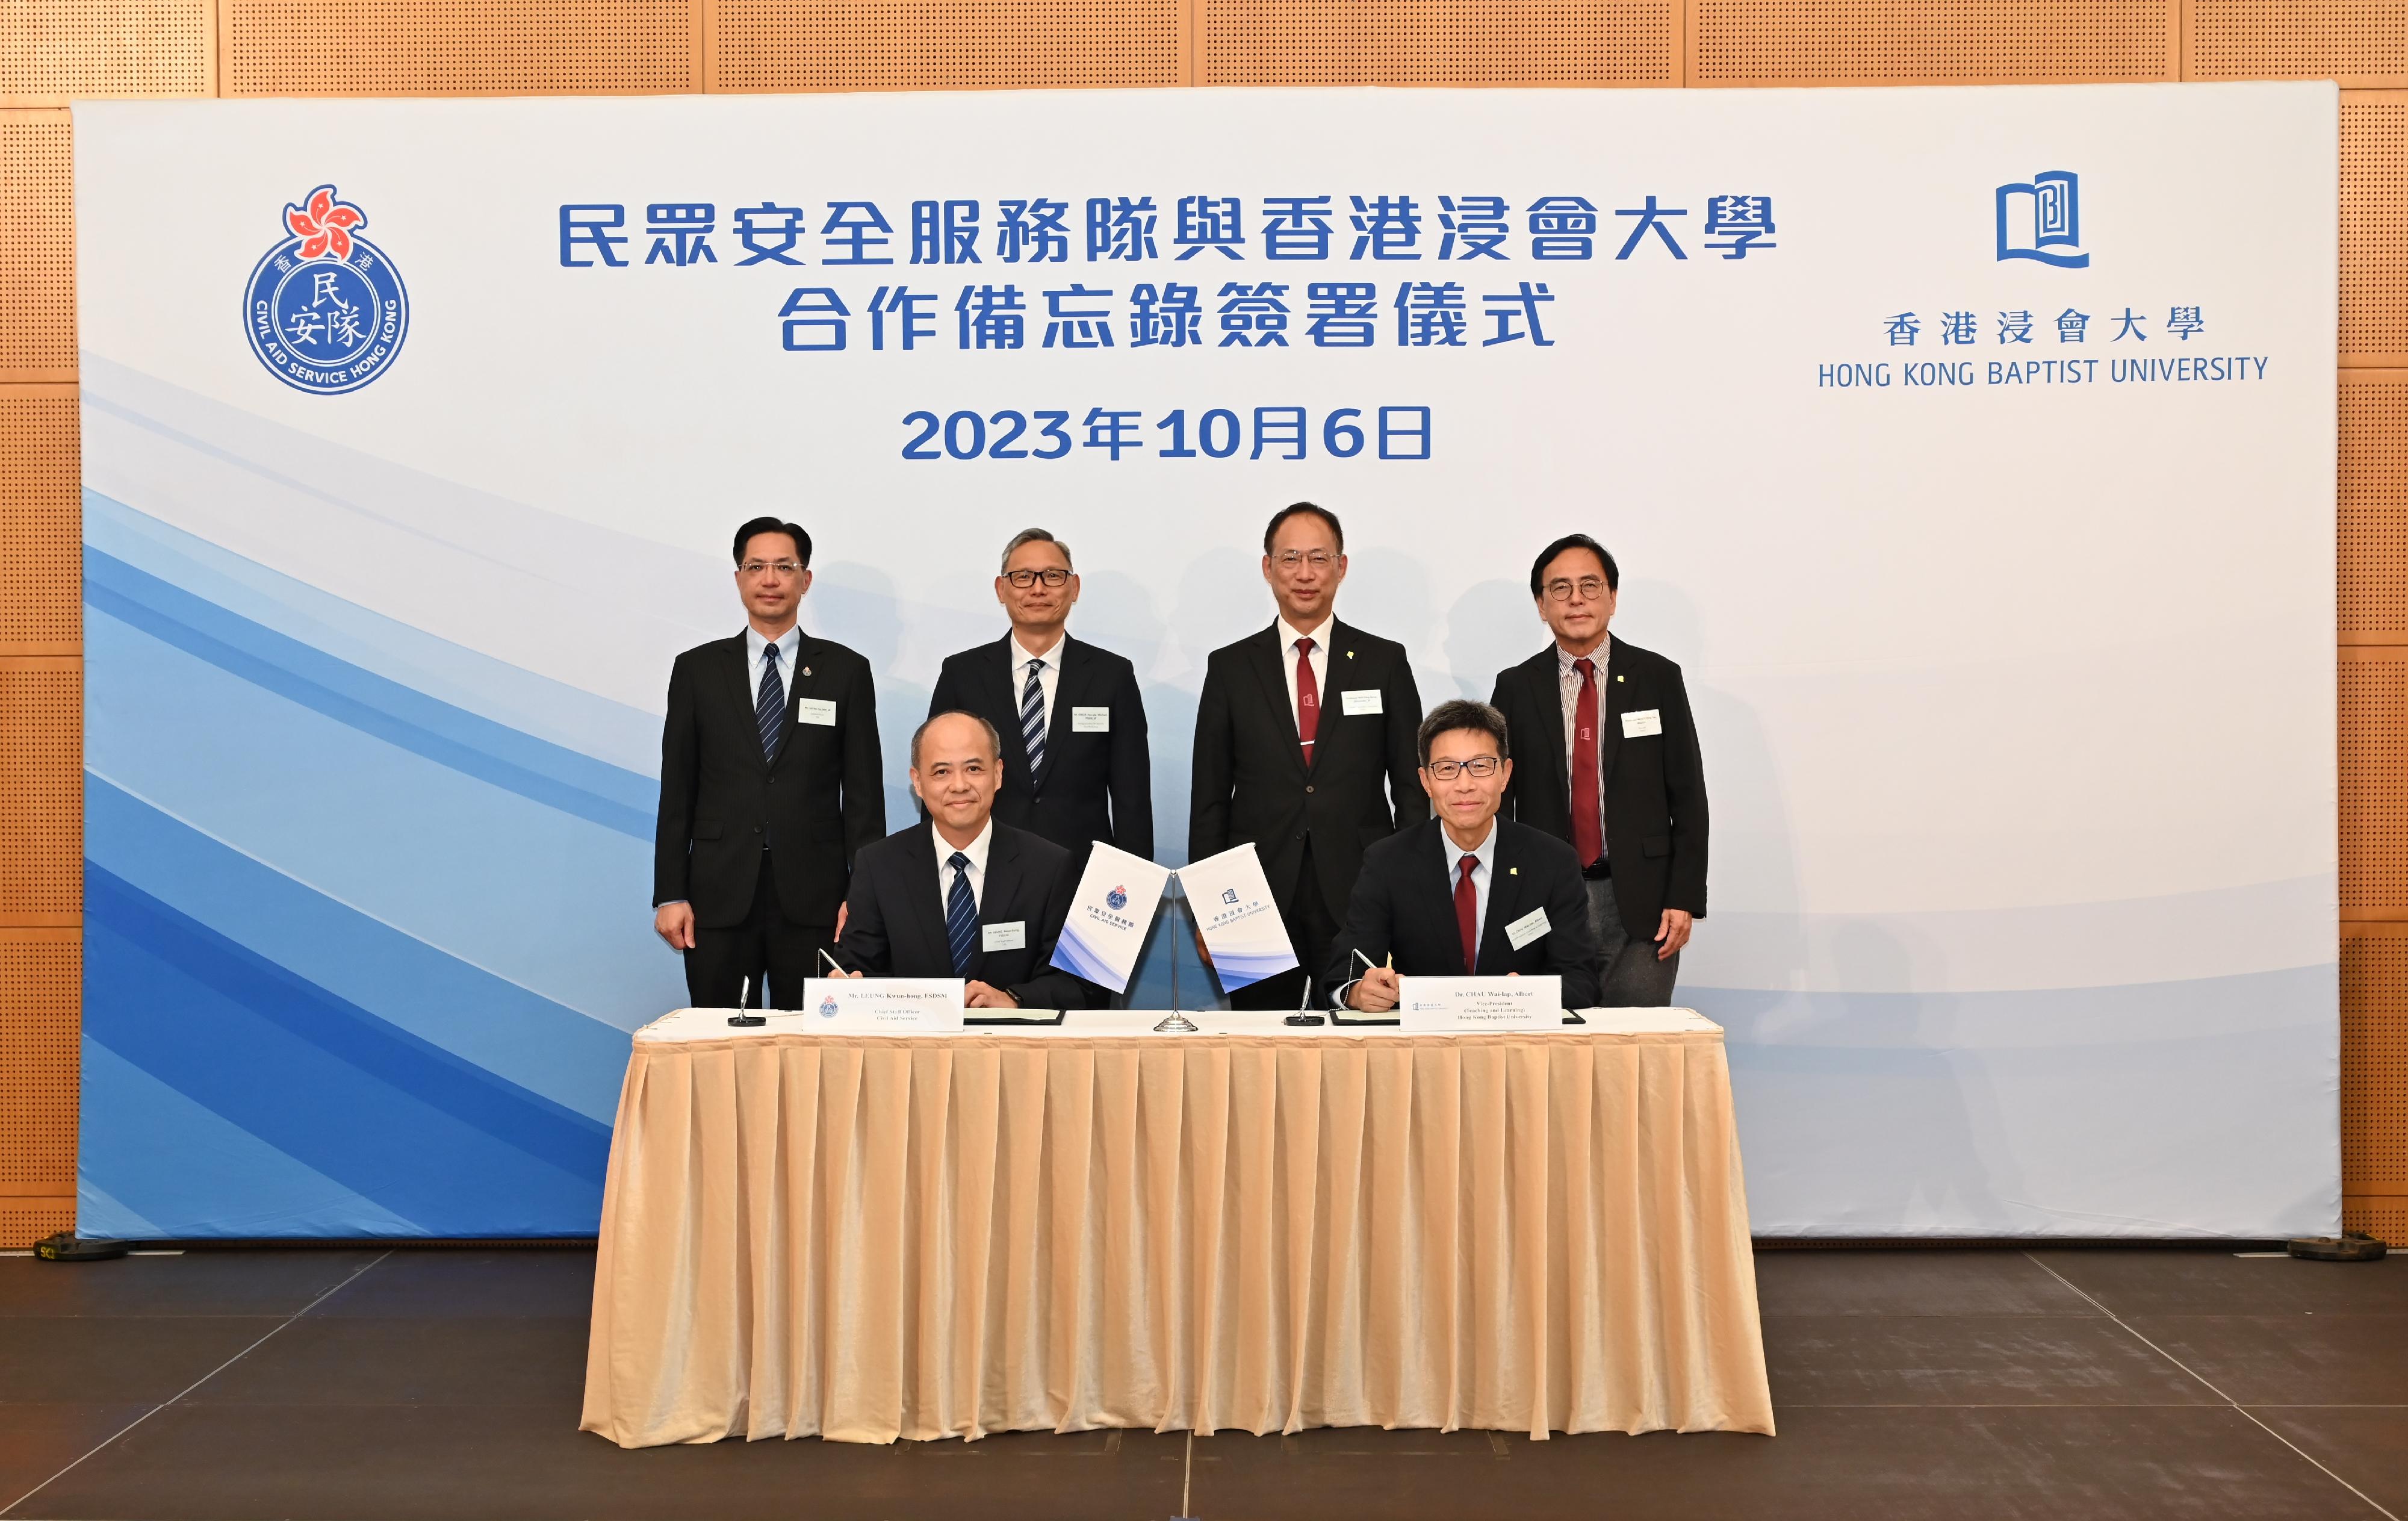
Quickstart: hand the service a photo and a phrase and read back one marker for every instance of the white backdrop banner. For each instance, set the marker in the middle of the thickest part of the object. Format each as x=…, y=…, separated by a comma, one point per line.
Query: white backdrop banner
x=1972, y=451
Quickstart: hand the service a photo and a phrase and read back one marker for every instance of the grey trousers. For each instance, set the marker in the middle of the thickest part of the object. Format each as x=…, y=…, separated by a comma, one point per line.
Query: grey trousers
x=1633, y=978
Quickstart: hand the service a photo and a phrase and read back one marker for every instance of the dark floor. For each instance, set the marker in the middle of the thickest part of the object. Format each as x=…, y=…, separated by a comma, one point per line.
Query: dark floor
x=2062, y=1385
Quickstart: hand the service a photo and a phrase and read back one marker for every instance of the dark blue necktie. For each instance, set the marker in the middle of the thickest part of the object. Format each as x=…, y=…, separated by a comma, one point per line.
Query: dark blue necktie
x=770, y=712
x=961, y=915
x=1032, y=716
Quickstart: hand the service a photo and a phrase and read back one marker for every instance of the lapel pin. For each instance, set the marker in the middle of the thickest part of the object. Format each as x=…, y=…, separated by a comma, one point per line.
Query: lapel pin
x=1350, y=655
x=1617, y=678
x=1512, y=871
x=806, y=670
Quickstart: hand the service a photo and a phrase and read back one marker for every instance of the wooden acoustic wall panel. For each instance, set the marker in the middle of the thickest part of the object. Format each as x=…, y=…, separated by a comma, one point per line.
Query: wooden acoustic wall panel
x=1439, y=42
x=2371, y=541
x=1931, y=41
x=2374, y=743
x=38, y=338
x=26, y=1221
x=41, y=791
x=944, y=44
x=2355, y=41
x=2374, y=1059
x=451, y=47
x=40, y=972
x=2375, y=227
x=60, y=49
x=41, y=526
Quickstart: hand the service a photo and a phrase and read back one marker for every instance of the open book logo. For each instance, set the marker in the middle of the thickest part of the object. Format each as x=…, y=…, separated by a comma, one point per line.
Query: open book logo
x=2043, y=220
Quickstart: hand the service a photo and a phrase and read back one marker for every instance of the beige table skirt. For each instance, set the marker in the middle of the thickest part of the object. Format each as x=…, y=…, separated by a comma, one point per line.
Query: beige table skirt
x=867, y=1238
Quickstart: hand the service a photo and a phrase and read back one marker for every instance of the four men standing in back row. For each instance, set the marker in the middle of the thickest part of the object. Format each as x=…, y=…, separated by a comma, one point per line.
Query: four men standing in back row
x=1309, y=745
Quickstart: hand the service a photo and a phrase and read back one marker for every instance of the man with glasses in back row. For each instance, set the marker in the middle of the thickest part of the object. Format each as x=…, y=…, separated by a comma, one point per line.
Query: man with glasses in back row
x=1609, y=764
x=1304, y=746
x=1075, y=764
x=770, y=785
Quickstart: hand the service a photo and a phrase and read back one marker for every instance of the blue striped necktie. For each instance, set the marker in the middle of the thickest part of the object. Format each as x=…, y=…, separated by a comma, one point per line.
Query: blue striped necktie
x=961, y=915
x=1032, y=716
x=770, y=712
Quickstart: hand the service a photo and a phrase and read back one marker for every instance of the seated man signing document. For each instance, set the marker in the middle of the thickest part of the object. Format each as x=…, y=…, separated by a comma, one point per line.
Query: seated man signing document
x=1466, y=894
x=962, y=895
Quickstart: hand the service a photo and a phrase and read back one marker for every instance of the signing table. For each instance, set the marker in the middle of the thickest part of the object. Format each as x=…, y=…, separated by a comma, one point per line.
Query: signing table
x=1253, y=1227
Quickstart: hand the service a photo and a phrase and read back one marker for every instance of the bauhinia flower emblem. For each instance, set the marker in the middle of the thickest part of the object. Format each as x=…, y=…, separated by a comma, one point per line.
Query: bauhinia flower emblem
x=324, y=225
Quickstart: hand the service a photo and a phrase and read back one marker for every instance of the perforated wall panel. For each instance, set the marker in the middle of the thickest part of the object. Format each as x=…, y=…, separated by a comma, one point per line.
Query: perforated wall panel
x=944, y=44
x=66, y=49
x=2355, y=41
x=459, y=47
x=40, y=524
x=36, y=246
x=2386, y=1219
x=1931, y=41
x=2373, y=741
x=41, y=791
x=1438, y=42
x=26, y=1221
x=2375, y=1058
x=2371, y=545
x=38, y=995
x=2375, y=227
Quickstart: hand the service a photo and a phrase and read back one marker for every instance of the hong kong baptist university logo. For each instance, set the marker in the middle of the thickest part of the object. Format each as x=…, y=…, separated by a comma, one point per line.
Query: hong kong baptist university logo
x=326, y=308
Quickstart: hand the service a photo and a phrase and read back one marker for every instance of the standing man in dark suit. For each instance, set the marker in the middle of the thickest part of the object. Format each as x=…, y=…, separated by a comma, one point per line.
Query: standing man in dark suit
x=1304, y=746
x=1466, y=894
x=770, y=783
x=965, y=895
x=1609, y=764
x=1075, y=765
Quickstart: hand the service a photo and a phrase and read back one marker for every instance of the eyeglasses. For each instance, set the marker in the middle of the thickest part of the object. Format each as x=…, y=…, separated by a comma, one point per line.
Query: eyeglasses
x=1025, y=578
x=1482, y=767
x=1297, y=560
x=762, y=567
x=1591, y=589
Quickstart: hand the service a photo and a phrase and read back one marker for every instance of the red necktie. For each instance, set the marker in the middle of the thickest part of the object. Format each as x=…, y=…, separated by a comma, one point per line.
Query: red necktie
x=1466, y=915
x=1308, y=700
x=1589, y=829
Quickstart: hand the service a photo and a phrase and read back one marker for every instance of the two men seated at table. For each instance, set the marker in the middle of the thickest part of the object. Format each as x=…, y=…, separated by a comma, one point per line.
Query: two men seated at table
x=1466, y=893
x=962, y=895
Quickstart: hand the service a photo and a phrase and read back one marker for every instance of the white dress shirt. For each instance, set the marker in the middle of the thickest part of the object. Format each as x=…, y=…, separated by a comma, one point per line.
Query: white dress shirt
x=1289, y=634
x=1568, y=685
x=1049, y=676
x=789, y=643
x=976, y=851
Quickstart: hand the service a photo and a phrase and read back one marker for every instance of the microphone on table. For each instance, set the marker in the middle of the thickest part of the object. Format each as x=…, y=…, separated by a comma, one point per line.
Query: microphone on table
x=1304, y=1014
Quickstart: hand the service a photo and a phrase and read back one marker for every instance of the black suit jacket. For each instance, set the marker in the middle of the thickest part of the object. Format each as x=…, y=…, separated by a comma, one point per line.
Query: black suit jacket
x=895, y=920
x=1655, y=784
x=820, y=800
x=1250, y=780
x=1094, y=786
x=1404, y=905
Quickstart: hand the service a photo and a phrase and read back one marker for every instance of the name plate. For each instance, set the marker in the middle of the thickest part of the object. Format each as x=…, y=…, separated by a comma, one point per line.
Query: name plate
x=1474, y=1005
x=883, y=1005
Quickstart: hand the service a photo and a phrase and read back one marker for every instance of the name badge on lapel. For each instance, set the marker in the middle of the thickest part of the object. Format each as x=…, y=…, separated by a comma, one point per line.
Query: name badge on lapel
x=1360, y=701
x=1010, y=936
x=1641, y=724
x=1529, y=928
x=1091, y=720
x=819, y=710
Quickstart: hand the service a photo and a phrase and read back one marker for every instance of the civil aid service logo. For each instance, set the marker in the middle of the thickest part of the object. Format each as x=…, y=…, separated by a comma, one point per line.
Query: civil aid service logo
x=325, y=308
x=1116, y=898
x=827, y=1007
